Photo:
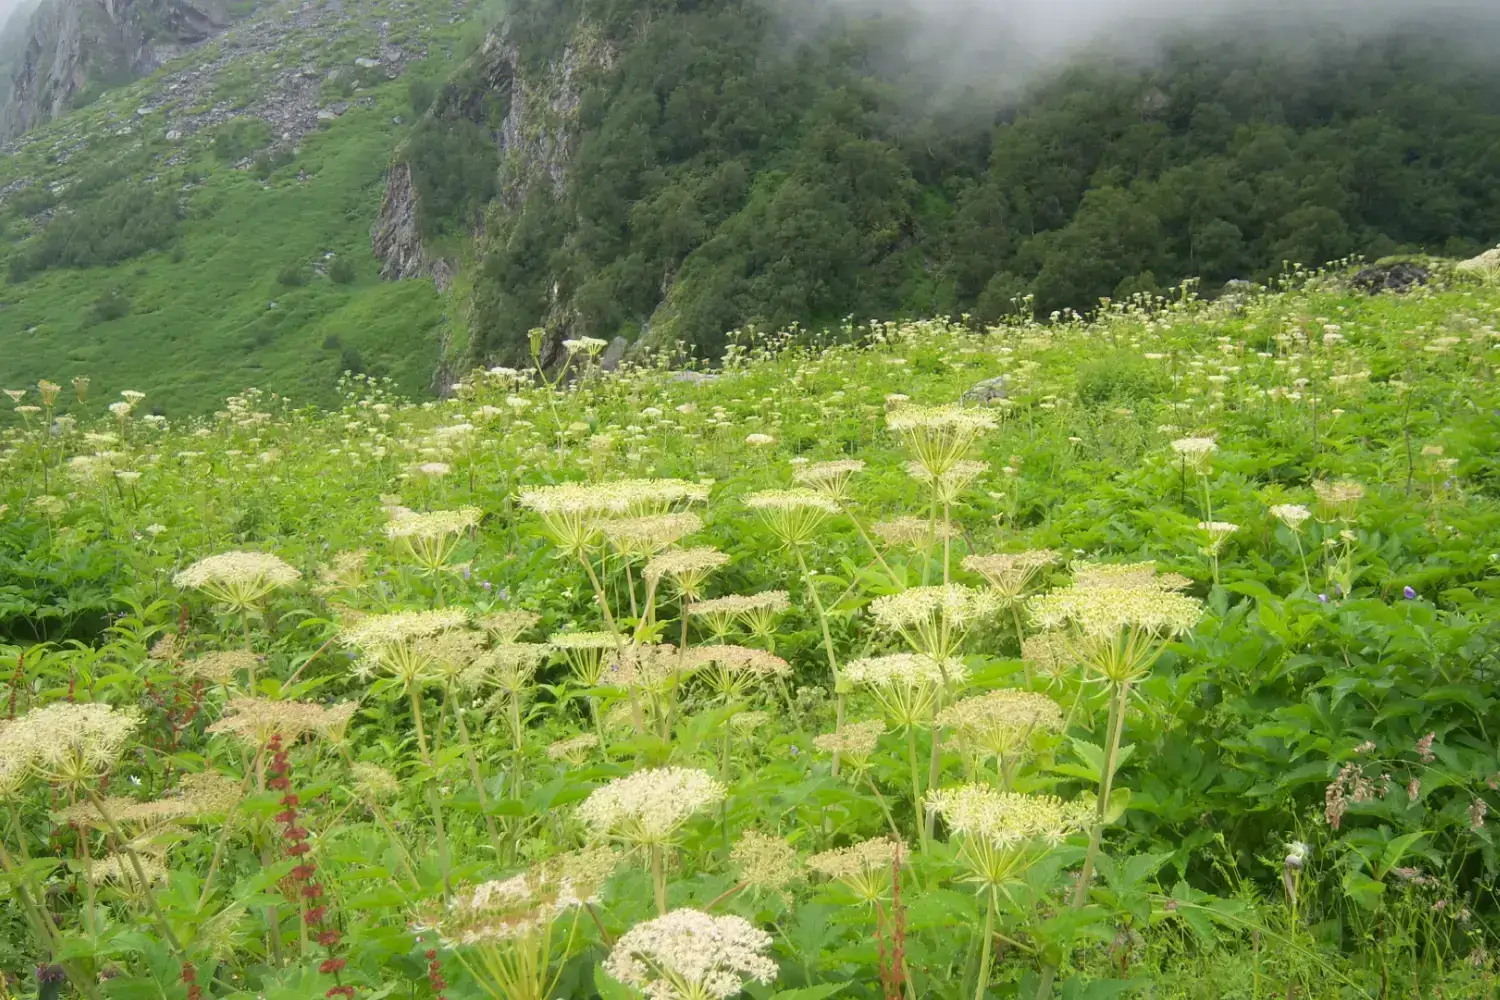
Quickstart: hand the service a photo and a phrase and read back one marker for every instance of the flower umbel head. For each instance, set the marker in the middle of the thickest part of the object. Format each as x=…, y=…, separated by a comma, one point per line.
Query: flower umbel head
x=793, y=516
x=1002, y=723
x=935, y=620
x=906, y=684
x=649, y=807
x=866, y=867
x=854, y=743
x=691, y=955
x=1011, y=573
x=938, y=436
x=1196, y=452
x=830, y=478
x=1002, y=833
x=240, y=580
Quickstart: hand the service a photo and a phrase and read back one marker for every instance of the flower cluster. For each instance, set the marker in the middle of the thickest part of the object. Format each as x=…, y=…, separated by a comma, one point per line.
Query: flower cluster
x=1002, y=722
x=918, y=607
x=854, y=742
x=240, y=580
x=765, y=862
x=432, y=525
x=858, y=860
x=650, y=533
x=829, y=478
x=687, y=568
x=255, y=721
x=221, y=666
x=649, y=807
x=67, y=743
x=938, y=436
x=574, y=749
x=1104, y=610
x=1010, y=573
x=1007, y=818
x=1196, y=452
x=793, y=516
x=909, y=531
x=903, y=670
x=691, y=955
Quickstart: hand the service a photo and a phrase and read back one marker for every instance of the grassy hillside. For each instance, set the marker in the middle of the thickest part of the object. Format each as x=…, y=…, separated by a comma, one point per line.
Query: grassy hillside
x=191, y=248
x=1163, y=667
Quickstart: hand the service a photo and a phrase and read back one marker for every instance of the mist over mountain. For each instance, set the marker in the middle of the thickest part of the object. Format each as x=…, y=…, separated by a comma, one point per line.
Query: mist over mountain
x=976, y=52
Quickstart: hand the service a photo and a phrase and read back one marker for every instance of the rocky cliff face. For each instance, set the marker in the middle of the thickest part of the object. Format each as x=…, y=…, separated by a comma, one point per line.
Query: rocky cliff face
x=71, y=45
x=534, y=141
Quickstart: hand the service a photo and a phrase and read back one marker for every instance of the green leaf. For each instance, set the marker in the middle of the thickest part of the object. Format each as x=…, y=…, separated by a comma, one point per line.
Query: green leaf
x=1397, y=848
x=1363, y=890
x=1119, y=801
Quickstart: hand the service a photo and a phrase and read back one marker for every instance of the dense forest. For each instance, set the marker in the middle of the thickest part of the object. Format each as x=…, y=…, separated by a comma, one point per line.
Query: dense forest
x=731, y=167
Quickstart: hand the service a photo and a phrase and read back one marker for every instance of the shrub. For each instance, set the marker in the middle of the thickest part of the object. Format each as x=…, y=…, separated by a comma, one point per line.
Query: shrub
x=292, y=276
x=113, y=304
x=240, y=137
x=125, y=220
x=341, y=271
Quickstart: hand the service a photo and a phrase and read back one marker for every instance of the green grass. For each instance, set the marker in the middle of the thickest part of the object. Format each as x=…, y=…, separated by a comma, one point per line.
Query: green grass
x=201, y=323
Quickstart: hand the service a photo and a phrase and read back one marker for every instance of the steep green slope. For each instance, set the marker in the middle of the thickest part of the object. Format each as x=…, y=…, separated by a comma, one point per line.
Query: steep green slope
x=167, y=235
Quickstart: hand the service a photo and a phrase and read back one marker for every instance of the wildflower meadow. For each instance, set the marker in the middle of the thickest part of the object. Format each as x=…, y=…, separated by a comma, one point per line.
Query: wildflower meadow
x=1145, y=655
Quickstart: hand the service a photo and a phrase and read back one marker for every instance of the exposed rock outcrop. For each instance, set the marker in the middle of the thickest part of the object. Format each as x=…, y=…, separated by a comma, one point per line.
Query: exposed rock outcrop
x=1397, y=276
x=75, y=44
x=533, y=137
x=397, y=237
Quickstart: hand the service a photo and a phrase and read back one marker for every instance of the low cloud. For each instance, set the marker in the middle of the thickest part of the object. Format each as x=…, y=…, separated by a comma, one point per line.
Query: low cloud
x=996, y=47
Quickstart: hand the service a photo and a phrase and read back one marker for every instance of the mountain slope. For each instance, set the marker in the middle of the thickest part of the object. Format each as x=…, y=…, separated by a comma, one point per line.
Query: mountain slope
x=722, y=170
x=207, y=228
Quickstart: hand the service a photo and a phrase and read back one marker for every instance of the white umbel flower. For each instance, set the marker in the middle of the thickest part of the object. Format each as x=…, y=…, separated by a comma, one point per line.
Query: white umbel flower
x=690, y=955
x=649, y=807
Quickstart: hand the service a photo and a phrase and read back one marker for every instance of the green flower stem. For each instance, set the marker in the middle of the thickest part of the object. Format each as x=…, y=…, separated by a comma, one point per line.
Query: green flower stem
x=432, y=799
x=985, y=946
x=1106, y=784
x=478, y=779
x=44, y=927
x=659, y=879
x=833, y=661
x=884, y=806
x=916, y=785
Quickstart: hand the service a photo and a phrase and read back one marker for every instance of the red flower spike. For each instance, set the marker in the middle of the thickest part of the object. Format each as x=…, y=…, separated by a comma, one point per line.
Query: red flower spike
x=332, y=966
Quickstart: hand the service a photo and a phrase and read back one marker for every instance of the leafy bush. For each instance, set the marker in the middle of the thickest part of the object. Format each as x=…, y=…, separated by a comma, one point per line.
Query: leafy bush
x=123, y=221
x=341, y=271
x=239, y=138
x=293, y=275
x=111, y=305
